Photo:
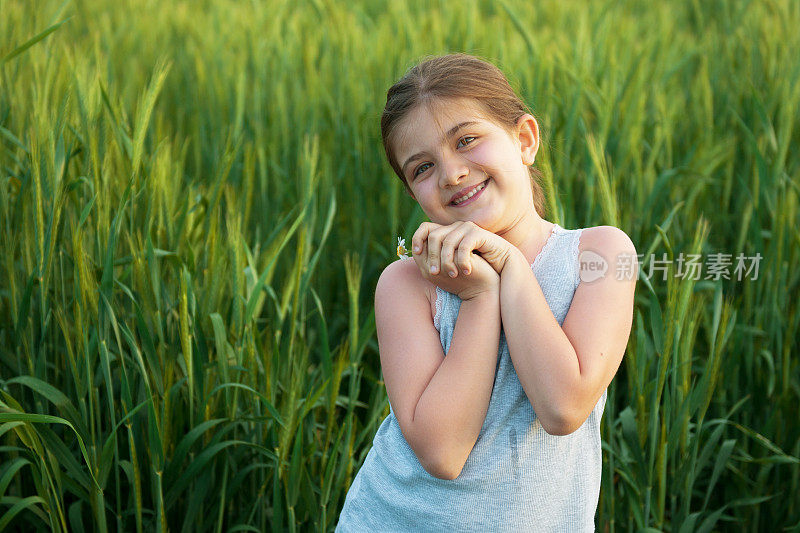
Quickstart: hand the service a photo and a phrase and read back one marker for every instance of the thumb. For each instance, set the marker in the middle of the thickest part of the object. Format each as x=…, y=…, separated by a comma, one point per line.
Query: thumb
x=489, y=246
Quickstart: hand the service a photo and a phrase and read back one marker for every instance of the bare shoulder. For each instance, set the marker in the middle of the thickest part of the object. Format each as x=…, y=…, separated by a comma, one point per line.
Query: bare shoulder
x=612, y=244
x=605, y=236
x=405, y=273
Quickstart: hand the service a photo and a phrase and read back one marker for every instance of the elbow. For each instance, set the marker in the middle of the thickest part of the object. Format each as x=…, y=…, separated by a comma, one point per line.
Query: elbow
x=434, y=458
x=440, y=471
x=447, y=474
x=561, y=426
x=442, y=468
x=559, y=431
x=563, y=420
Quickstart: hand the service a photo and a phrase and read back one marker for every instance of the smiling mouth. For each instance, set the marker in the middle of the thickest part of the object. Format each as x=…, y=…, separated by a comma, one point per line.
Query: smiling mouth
x=472, y=194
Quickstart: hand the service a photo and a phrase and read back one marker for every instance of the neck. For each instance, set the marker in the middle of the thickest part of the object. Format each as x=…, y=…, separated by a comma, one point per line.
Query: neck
x=529, y=233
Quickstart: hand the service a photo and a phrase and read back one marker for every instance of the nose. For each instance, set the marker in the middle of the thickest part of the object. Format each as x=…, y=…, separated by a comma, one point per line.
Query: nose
x=454, y=170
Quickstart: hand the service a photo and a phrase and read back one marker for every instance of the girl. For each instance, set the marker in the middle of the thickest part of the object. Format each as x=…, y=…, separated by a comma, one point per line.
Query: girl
x=504, y=432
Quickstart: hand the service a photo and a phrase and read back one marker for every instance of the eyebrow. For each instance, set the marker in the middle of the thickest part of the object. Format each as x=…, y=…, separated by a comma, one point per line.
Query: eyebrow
x=449, y=134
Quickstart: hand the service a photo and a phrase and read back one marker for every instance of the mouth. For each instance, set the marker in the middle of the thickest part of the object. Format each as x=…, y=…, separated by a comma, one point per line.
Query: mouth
x=465, y=198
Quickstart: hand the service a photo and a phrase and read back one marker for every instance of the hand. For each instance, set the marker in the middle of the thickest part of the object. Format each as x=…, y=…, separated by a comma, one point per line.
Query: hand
x=449, y=249
x=494, y=249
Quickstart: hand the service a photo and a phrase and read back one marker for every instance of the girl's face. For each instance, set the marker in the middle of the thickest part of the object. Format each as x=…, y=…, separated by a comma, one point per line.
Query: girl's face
x=451, y=147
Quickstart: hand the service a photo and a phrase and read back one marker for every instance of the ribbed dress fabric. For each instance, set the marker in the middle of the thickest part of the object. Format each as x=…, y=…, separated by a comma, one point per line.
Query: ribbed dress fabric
x=517, y=476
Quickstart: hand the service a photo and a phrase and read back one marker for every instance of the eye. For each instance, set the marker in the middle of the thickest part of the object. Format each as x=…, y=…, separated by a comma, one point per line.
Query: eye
x=420, y=169
x=464, y=139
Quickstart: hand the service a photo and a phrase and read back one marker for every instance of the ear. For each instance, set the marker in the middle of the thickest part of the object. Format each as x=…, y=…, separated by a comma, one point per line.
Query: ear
x=528, y=138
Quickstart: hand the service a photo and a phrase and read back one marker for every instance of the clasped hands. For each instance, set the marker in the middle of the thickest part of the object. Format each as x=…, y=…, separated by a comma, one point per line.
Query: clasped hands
x=461, y=258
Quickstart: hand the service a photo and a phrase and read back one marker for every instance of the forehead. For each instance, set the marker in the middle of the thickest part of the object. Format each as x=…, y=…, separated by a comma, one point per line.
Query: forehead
x=426, y=124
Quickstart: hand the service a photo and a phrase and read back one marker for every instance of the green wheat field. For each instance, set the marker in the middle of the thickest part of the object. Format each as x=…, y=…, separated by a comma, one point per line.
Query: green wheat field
x=195, y=209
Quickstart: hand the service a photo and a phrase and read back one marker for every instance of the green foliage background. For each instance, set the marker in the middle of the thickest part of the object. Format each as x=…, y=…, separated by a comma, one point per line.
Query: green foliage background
x=195, y=208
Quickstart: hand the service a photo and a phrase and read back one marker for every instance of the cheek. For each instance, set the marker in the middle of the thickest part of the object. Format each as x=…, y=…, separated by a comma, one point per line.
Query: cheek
x=487, y=156
x=501, y=159
x=426, y=192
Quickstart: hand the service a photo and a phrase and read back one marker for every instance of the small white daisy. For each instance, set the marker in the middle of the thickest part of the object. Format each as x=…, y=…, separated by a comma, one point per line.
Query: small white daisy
x=402, y=253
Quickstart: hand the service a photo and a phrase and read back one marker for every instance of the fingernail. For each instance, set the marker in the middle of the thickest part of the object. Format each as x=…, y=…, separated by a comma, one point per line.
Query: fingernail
x=416, y=249
x=453, y=273
x=433, y=269
x=466, y=271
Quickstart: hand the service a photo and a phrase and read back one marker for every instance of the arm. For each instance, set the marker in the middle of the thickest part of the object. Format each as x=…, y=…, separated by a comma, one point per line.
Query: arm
x=440, y=402
x=452, y=409
x=564, y=371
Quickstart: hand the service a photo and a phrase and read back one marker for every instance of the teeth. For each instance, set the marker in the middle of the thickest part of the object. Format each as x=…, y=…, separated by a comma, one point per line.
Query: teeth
x=474, y=191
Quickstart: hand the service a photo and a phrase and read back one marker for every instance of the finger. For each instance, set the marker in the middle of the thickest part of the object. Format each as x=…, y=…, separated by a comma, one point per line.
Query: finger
x=464, y=256
x=435, y=238
x=450, y=244
x=468, y=245
x=422, y=260
x=421, y=236
x=441, y=241
x=457, y=260
x=486, y=242
x=472, y=245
